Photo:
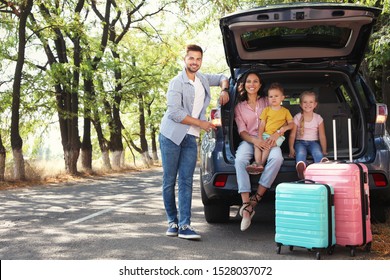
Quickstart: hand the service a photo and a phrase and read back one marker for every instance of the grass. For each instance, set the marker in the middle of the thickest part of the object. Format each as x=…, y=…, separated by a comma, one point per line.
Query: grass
x=43, y=173
x=381, y=239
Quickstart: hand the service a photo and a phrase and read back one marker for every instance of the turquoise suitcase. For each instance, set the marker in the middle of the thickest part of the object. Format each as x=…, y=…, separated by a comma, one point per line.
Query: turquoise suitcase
x=304, y=216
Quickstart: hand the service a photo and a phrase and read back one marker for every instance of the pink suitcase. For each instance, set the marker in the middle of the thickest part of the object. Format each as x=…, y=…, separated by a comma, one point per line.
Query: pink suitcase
x=351, y=195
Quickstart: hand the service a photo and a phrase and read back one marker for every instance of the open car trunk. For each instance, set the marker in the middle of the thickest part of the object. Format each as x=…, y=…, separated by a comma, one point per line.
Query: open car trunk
x=336, y=95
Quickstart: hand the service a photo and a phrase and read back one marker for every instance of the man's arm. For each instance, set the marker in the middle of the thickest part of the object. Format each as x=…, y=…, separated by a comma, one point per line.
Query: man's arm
x=224, y=94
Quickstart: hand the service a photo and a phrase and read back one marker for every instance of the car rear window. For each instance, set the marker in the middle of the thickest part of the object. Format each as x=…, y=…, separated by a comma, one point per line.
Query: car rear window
x=315, y=36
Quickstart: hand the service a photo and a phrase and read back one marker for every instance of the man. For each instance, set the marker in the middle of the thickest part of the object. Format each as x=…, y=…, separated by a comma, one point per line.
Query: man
x=188, y=97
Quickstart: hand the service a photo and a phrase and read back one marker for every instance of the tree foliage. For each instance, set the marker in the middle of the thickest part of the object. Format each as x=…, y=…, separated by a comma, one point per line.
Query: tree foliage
x=88, y=60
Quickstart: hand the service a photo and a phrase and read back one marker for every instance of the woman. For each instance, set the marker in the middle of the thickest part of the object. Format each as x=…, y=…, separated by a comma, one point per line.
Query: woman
x=247, y=113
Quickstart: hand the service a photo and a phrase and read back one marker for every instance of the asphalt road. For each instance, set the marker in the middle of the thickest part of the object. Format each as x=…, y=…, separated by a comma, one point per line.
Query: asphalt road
x=121, y=217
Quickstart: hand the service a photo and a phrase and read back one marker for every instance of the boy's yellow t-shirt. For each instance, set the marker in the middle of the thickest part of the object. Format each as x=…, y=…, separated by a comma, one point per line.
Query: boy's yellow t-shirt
x=275, y=119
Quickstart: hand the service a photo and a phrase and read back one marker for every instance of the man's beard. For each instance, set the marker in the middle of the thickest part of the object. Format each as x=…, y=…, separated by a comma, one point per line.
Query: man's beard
x=190, y=68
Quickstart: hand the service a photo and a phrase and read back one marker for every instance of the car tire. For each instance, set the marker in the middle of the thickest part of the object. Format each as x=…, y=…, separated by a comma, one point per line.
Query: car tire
x=217, y=213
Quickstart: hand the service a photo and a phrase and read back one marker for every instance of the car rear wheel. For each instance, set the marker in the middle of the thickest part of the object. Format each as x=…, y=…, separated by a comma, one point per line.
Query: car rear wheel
x=217, y=213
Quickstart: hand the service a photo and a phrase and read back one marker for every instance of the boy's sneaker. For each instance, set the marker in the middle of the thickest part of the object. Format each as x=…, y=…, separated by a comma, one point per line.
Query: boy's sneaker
x=301, y=167
x=172, y=229
x=187, y=232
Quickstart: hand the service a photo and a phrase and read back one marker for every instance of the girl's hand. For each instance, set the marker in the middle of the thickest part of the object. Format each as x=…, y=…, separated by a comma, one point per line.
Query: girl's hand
x=292, y=153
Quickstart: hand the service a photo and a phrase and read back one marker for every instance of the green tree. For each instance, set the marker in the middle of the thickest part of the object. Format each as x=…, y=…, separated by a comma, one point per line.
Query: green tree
x=22, y=12
x=49, y=23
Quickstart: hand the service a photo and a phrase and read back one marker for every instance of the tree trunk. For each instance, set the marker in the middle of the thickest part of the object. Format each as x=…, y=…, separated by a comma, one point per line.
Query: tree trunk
x=142, y=129
x=86, y=157
x=116, y=159
x=86, y=144
x=146, y=159
x=90, y=89
x=91, y=114
x=103, y=143
x=153, y=131
x=16, y=140
x=154, y=143
x=19, y=171
x=2, y=160
x=106, y=159
x=66, y=88
x=116, y=145
x=71, y=156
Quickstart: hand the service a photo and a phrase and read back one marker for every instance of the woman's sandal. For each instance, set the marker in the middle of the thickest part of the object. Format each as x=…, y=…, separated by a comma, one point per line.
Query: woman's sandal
x=243, y=207
x=246, y=222
x=255, y=199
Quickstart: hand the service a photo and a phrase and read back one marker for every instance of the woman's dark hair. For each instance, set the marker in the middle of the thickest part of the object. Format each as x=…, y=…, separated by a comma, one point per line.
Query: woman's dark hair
x=243, y=95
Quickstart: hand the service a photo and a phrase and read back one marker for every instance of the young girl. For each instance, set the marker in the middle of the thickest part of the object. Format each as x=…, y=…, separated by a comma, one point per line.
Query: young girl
x=308, y=134
x=272, y=126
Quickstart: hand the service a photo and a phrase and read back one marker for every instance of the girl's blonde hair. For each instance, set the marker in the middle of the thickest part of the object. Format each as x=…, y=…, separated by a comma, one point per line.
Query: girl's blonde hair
x=302, y=120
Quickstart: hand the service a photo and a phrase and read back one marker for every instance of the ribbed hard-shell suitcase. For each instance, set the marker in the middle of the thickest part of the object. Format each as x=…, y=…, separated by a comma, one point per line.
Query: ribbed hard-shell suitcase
x=304, y=216
x=351, y=196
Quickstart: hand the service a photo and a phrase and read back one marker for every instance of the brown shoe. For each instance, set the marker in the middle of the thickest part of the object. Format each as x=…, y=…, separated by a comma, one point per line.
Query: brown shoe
x=254, y=168
x=301, y=167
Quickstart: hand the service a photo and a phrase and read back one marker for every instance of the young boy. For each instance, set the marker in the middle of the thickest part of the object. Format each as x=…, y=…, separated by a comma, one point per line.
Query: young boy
x=273, y=122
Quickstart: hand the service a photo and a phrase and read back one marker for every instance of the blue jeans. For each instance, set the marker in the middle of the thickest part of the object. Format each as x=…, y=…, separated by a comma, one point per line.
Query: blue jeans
x=244, y=154
x=302, y=147
x=178, y=160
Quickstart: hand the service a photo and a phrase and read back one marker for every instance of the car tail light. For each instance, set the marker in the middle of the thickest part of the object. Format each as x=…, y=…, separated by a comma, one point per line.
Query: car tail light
x=220, y=180
x=381, y=113
x=215, y=115
x=379, y=180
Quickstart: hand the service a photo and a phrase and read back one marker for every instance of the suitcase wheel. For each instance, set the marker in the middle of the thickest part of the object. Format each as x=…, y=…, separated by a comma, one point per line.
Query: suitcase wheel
x=353, y=251
x=278, y=248
x=291, y=248
x=318, y=256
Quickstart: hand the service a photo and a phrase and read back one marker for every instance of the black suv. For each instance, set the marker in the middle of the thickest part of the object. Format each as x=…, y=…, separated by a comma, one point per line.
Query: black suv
x=316, y=47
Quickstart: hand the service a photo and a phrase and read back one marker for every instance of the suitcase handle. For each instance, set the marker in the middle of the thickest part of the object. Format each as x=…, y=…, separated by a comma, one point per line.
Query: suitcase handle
x=366, y=204
x=342, y=115
x=306, y=180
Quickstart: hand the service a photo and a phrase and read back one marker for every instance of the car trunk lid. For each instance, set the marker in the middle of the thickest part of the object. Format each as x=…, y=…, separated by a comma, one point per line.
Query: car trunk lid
x=297, y=33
